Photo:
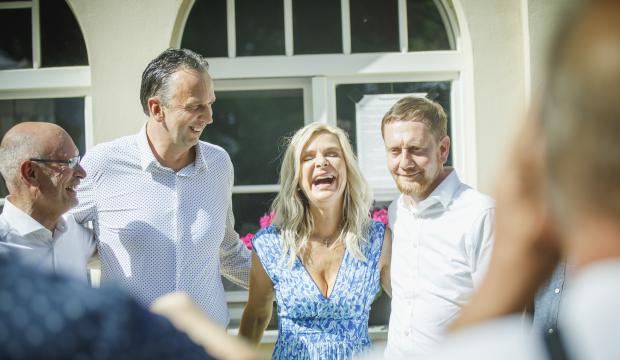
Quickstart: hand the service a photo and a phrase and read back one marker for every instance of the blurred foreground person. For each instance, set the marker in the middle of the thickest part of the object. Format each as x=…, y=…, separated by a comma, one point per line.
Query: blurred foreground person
x=47, y=316
x=559, y=196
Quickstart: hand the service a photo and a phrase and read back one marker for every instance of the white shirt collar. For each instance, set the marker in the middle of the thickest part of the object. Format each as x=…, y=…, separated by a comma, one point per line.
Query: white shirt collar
x=24, y=224
x=442, y=195
x=148, y=160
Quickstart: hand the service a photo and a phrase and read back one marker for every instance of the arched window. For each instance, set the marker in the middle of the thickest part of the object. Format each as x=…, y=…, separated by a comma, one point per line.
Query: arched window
x=44, y=73
x=279, y=64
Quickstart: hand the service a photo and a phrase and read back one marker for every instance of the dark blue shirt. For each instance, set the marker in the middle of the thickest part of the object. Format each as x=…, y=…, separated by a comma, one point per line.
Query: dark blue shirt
x=548, y=301
x=44, y=316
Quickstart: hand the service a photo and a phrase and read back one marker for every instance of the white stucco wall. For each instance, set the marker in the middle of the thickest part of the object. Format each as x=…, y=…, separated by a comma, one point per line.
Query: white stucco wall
x=121, y=37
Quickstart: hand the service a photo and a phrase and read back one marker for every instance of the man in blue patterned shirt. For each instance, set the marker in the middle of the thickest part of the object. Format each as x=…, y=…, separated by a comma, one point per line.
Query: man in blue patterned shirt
x=160, y=200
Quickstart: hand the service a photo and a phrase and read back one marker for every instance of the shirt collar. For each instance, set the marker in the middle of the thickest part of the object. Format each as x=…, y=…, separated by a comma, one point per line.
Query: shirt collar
x=148, y=160
x=23, y=223
x=442, y=195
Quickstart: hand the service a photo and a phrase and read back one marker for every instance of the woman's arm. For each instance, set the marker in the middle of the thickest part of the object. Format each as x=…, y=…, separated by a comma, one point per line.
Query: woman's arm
x=257, y=312
x=385, y=262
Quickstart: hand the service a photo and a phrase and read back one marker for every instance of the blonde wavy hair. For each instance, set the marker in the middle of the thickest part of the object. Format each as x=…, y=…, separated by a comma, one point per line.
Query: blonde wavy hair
x=293, y=218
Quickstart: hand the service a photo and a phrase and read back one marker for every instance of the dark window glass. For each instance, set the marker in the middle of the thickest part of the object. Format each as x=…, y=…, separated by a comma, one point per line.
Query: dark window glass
x=347, y=95
x=205, y=31
x=62, y=43
x=425, y=26
x=15, y=39
x=317, y=27
x=66, y=112
x=248, y=209
x=374, y=26
x=259, y=27
x=250, y=126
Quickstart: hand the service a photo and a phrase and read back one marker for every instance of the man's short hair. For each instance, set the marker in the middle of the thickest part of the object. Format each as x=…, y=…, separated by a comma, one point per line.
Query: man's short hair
x=12, y=153
x=412, y=108
x=157, y=74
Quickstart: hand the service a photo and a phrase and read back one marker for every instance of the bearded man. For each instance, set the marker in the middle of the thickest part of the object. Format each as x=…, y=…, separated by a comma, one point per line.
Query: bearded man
x=442, y=229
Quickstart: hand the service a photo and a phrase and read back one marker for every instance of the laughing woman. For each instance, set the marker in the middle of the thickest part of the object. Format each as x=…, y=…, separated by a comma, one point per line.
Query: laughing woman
x=323, y=259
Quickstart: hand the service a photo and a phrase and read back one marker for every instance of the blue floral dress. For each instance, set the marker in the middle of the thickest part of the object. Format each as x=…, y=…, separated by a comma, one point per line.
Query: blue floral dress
x=312, y=326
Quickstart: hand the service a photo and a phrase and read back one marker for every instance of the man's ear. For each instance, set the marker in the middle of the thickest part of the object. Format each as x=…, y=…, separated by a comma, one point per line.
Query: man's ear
x=444, y=148
x=155, y=108
x=29, y=174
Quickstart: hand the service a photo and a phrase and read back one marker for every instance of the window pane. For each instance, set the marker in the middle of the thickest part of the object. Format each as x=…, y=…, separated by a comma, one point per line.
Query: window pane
x=250, y=125
x=425, y=26
x=317, y=27
x=347, y=95
x=374, y=26
x=62, y=43
x=15, y=39
x=66, y=112
x=259, y=27
x=205, y=31
x=248, y=209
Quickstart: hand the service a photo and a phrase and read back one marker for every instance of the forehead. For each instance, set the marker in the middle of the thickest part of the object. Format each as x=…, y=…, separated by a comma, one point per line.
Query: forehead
x=322, y=140
x=405, y=132
x=65, y=148
x=187, y=83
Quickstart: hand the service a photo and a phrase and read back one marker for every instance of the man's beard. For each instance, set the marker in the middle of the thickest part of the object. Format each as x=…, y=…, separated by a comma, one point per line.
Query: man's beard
x=413, y=188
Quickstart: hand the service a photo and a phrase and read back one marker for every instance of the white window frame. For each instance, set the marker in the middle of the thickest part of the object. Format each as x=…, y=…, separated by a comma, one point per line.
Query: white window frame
x=46, y=83
x=266, y=84
x=325, y=71
x=52, y=82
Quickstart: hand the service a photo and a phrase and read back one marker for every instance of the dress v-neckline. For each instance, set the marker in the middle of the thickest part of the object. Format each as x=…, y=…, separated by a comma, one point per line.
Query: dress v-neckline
x=333, y=286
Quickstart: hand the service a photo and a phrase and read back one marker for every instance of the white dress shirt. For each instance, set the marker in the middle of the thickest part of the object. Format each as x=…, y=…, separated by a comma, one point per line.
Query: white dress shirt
x=441, y=249
x=160, y=230
x=66, y=251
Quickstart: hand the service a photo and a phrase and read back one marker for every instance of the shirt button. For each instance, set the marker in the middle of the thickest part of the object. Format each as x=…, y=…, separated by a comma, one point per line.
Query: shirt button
x=557, y=290
x=550, y=331
x=406, y=332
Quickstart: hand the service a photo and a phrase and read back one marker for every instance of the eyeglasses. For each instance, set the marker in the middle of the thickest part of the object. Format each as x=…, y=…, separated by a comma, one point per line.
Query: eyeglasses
x=72, y=163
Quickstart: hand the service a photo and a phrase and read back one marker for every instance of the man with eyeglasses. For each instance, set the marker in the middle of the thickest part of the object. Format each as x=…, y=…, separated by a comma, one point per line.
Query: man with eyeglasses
x=41, y=167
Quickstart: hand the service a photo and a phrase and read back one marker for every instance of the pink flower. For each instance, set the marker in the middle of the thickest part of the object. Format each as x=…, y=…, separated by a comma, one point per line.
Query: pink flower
x=247, y=240
x=380, y=215
x=266, y=219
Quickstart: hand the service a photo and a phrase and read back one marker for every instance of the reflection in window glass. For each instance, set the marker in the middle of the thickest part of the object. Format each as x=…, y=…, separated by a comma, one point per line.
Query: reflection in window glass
x=259, y=27
x=62, y=43
x=374, y=26
x=317, y=27
x=347, y=95
x=250, y=125
x=15, y=39
x=206, y=29
x=248, y=209
x=426, y=28
x=68, y=113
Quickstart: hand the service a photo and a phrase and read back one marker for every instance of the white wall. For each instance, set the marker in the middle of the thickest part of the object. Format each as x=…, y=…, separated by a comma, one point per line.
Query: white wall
x=121, y=37
x=495, y=28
